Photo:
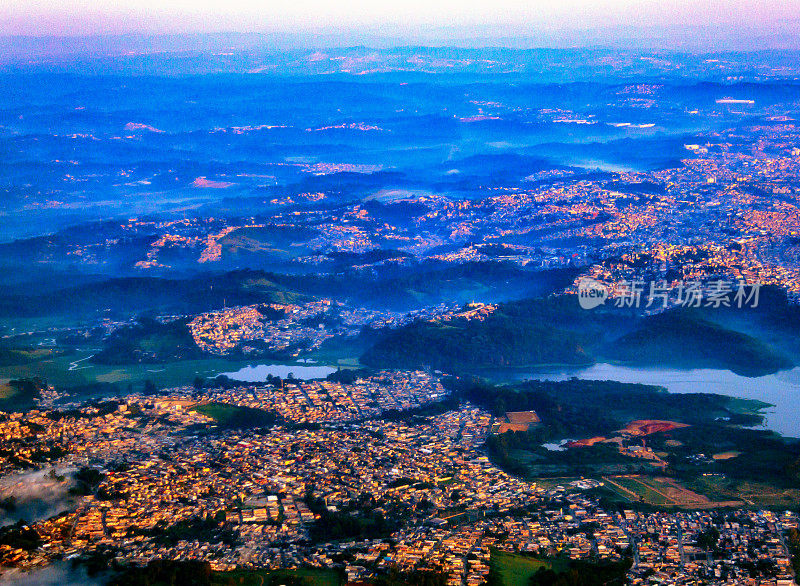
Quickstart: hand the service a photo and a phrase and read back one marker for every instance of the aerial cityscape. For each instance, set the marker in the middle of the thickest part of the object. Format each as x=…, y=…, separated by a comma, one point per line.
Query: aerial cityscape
x=304, y=303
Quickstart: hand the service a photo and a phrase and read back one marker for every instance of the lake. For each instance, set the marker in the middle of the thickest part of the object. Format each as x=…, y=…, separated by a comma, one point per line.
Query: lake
x=781, y=389
x=259, y=372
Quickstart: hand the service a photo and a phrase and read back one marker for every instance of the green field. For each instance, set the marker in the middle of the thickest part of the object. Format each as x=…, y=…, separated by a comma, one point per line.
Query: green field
x=57, y=371
x=306, y=577
x=219, y=412
x=6, y=390
x=752, y=493
x=12, y=399
x=516, y=570
x=235, y=416
x=8, y=396
x=644, y=492
x=554, y=481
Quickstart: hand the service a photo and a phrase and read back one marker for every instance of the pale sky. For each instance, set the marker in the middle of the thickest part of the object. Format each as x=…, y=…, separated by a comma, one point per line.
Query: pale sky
x=394, y=17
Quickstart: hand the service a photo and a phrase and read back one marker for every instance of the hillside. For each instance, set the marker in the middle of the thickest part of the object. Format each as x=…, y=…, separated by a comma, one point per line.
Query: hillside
x=555, y=330
x=517, y=334
x=137, y=295
x=683, y=339
x=148, y=341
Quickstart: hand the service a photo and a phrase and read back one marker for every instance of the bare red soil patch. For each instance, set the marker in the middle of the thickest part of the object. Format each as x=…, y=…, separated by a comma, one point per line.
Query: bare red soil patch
x=648, y=426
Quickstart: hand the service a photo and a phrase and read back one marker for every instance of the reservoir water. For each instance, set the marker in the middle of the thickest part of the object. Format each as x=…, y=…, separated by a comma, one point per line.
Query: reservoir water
x=782, y=389
x=259, y=372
